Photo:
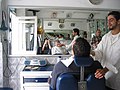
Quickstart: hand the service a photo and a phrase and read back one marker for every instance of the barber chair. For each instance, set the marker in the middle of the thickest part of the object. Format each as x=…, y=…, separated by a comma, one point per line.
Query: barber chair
x=5, y=88
x=67, y=81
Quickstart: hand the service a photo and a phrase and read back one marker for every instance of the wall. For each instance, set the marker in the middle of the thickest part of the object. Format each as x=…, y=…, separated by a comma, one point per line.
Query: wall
x=81, y=24
x=2, y=7
x=106, y=4
x=16, y=64
x=1, y=66
x=0, y=10
x=3, y=35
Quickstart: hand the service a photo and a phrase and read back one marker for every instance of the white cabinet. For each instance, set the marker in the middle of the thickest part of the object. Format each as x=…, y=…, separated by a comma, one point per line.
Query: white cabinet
x=36, y=88
x=35, y=79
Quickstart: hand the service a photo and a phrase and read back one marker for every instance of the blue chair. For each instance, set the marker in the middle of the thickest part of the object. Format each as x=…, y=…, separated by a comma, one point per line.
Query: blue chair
x=5, y=88
x=67, y=81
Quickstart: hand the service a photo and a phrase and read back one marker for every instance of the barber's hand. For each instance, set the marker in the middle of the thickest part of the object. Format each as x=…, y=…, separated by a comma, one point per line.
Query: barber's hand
x=60, y=45
x=100, y=73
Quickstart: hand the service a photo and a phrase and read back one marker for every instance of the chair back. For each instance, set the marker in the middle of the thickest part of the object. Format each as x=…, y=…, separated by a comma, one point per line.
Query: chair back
x=67, y=81
x=83, y=61
x=5, y=88
x=94, y=83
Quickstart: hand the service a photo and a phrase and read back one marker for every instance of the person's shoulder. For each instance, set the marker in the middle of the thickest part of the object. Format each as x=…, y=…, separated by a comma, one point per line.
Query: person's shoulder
x=107, y=35
x=75, y=37
x=53, y=47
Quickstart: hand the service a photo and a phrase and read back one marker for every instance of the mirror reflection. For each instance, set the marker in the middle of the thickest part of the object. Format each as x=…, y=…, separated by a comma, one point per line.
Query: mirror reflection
x=44, y=31
x=29, y=33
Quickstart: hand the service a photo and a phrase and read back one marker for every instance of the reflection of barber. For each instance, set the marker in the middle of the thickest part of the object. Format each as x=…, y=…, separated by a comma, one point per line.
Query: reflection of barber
x=46, y=49
x=75, y=34
x=58, y=49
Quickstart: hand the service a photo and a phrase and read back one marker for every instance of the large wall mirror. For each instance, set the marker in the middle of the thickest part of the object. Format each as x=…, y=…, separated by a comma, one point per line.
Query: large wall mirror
x=30, y=27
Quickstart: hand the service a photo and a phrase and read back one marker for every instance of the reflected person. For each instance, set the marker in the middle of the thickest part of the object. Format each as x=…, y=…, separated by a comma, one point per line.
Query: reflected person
x=58, y=49
x=96, y=39
x=75, y=34
x=46, y=48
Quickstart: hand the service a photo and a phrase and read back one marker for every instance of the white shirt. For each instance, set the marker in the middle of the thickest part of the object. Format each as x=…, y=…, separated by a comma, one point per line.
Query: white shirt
x=108, y=53
x=61, y=39
x=68, y=47
x=68, y=61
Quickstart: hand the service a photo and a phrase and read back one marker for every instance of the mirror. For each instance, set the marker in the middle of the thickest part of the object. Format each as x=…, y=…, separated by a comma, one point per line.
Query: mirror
x=34, y=25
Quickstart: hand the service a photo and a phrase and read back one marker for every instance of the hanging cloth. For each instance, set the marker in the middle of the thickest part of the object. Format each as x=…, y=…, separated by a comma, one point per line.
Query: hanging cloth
x=3, y=24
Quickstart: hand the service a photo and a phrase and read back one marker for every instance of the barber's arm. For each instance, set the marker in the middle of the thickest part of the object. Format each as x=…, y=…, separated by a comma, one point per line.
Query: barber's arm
x=108, y=67
x=99, y=72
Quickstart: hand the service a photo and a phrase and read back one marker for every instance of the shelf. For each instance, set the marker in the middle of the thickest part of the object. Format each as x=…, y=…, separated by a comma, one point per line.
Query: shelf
x=36, y=85
x=38, y=55
x=35, y=80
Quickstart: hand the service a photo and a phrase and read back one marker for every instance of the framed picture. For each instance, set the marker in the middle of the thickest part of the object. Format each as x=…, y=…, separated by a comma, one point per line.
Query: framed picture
x=49, y=23
x=72, y=24
x=61, y=20
x=54, y=15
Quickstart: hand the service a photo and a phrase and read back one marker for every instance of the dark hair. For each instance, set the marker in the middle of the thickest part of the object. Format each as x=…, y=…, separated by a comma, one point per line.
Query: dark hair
x=45, y=39
x=115, y=14
x=57, y=41
x=61, y=35
x=81, y=47
x=85, y=33
x=76, y=30
x=98, y=30
x=57, y=35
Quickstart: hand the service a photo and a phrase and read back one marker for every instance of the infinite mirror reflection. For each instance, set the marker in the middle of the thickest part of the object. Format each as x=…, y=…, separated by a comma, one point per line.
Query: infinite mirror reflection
x=34, y=31
x=29, y=33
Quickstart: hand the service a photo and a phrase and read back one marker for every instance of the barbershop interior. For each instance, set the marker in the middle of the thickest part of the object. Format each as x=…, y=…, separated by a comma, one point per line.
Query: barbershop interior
x=39, y=36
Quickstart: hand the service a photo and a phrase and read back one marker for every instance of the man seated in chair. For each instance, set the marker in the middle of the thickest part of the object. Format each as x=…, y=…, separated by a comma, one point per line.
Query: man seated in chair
x=79, y=48
x=57, y=49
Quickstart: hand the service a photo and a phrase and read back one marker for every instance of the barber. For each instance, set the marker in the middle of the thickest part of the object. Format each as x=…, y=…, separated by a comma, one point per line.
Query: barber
x=108, y=53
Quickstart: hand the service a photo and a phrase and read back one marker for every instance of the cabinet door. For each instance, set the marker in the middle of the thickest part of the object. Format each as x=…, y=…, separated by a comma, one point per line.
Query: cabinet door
x=36, y=88
x=24, y=36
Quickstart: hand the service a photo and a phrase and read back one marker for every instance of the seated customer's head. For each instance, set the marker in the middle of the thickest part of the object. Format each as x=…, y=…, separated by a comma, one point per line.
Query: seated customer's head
x=81, y=47
x=57, y=42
